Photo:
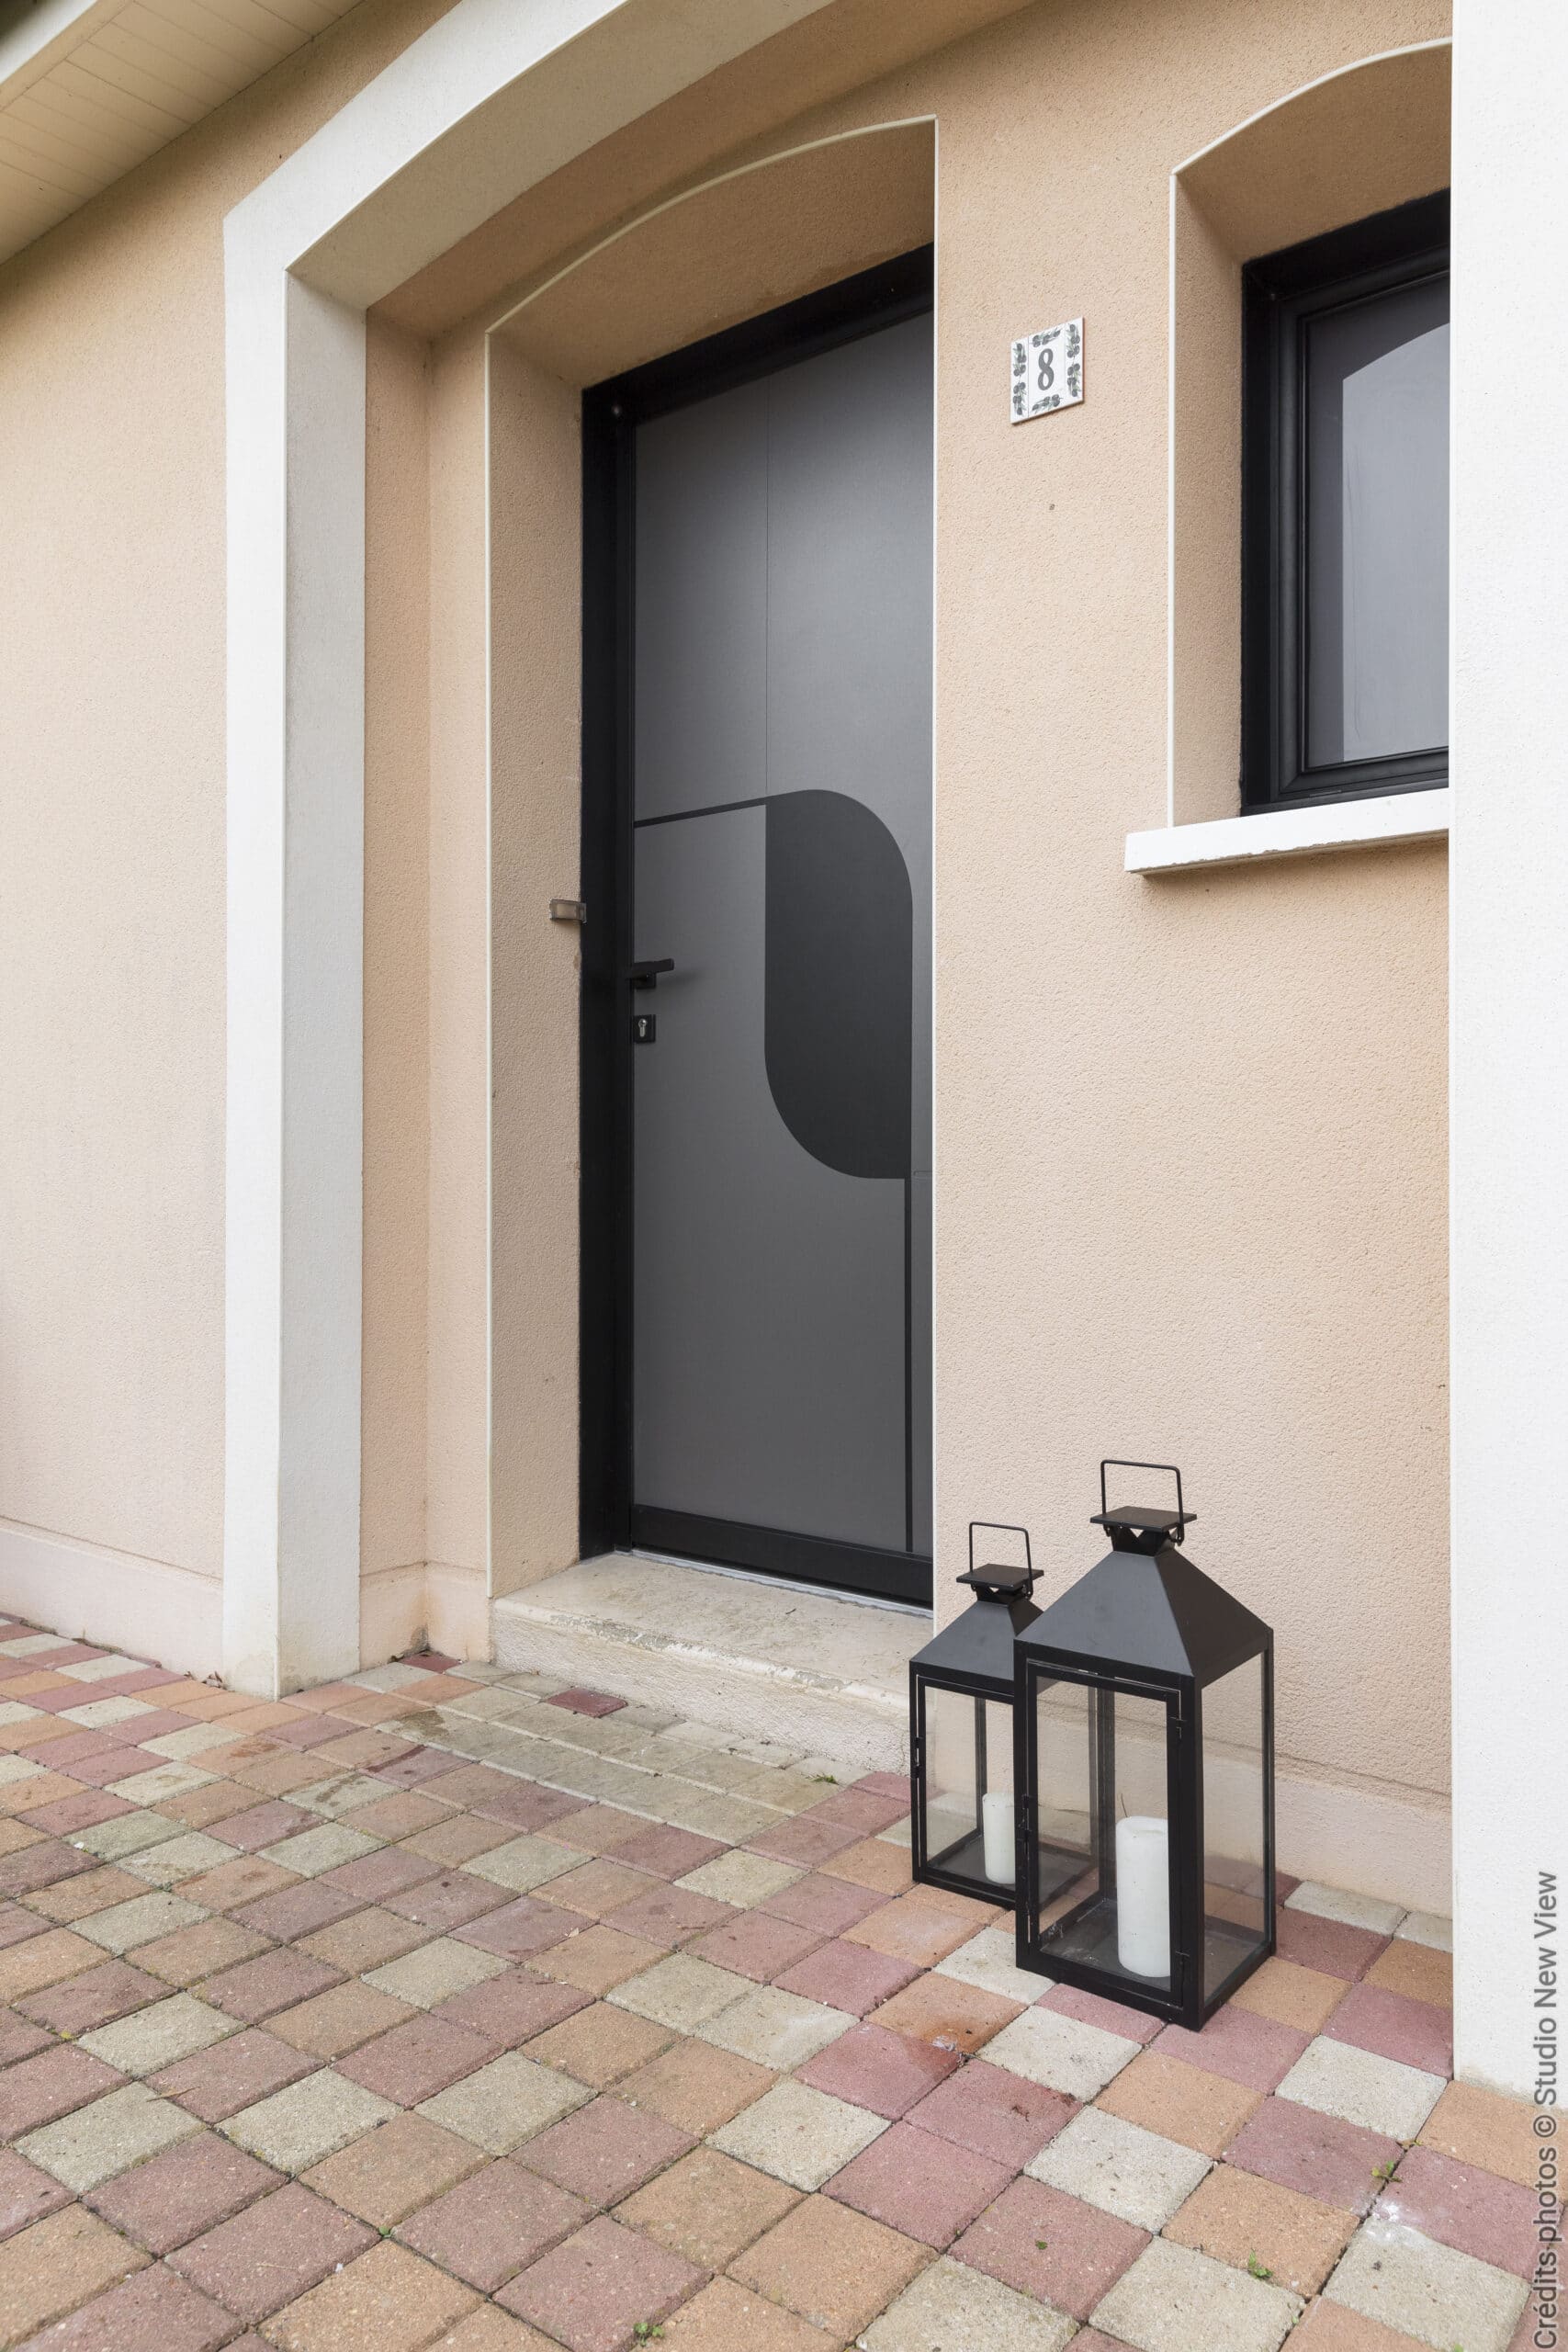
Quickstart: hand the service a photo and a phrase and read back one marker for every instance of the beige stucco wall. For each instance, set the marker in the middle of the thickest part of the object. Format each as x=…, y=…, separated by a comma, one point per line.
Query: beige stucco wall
x=1189, y=1134
x=112, y=872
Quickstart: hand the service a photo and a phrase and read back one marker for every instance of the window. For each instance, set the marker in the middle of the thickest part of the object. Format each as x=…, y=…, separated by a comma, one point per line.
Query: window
x=1345, y=512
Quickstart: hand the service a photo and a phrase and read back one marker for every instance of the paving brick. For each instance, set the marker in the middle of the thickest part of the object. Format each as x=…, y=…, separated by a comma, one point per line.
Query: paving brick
x=1175, y=2301
x=668, y=1852
x=846, y=1976
x=807, y=1840
x=378, y=1877
x=192, y=1954
x=1047, y=2244
x=680, y=1992
x=605, y=2150
x=152, y=2311
x=393, y=2169
x=707, y=2207
x=64, y=2261
x=502, y=2104
x=234, y=2074
x=1395, y=2275
x=274, y=1980
x=739, y=1877
x=365, y=1939
x=297, y=1910
x=196, y=1855
x=43, y=1960
x=79, y=1897
x=830, y=1905
x=328, y=1846
x=94, y=2142
x=387, y=2301
x=1120, y=2167
x=1240, y=2045
x=1327, y=1945
x=42, y=1864
x=19, y=2038
x=875, y=1864
x=590, y=2291
x=1414, y=2033
x=914, y=1928
x=723, y=2316
x=1338, y=2163
x=1476, y=2212
x=1238, y=2217
x=520, y=1865
x=925, y=2186
x=511, y=2007
x=271, y=2253
x=947, y=2012
x=1181, y=2102
x=834, y=2266
x=1379, y=2093
x=696, y=2086
x=417, y=2059
x=872, y=2068
x=297, y=2127
x=494, y=2223
x=666, y=1915
x=1331, y=2327
x=434, y=1972
x=339, y=2020
x=160, y=2035
x=1303, y=1998
x=798, y=2134
x=50, y=2085
x=264, y=1823
x=774, y=2027
x=993, y=2112
x=597, y=1958
x=599, y=2044
x=1061, y=2052
x=188, y=2189
x=26, y=2193
x=988, y=1961
x=951, y=2305
x=1418, y=1971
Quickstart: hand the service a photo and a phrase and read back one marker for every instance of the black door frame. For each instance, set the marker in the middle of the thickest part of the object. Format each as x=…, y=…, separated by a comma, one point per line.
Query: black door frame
x=857, y=306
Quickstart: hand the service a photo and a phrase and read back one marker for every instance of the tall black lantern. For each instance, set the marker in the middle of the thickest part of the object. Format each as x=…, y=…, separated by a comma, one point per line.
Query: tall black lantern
x=1145, y=1715
x=963, y=1816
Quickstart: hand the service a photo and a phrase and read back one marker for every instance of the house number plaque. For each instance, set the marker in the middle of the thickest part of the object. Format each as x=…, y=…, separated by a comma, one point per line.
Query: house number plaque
x=1046, y=371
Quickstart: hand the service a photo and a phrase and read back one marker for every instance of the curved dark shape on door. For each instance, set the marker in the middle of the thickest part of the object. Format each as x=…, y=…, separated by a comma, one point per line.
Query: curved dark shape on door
x=838, y=974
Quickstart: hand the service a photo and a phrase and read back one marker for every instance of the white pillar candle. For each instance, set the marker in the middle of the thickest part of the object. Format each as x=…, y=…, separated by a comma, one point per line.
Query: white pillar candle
x=1143, y=1895
x=995, y=1819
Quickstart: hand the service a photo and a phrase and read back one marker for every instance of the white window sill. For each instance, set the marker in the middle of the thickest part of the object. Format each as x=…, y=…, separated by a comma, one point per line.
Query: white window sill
x=1290, y=832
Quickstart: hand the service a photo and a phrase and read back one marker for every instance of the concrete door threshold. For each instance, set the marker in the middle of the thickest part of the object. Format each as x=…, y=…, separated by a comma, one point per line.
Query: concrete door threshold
x=807, y=1670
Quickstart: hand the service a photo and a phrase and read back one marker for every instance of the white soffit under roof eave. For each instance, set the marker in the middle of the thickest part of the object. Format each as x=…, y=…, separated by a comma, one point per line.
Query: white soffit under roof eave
x=90, y=88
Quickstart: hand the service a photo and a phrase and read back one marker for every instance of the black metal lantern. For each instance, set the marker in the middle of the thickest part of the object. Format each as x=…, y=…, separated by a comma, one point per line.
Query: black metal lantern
x=964, y=1816
x=1144, y=1713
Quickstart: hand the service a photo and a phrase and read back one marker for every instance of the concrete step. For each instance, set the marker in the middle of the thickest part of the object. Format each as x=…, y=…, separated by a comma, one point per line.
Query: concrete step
x=757, y=1659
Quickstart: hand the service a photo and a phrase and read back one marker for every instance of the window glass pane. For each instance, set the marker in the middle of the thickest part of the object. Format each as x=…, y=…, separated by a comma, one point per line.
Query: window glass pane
x=1104, y=1833
x=968, y=1782
x=1377, y=525
x=1236, y=1920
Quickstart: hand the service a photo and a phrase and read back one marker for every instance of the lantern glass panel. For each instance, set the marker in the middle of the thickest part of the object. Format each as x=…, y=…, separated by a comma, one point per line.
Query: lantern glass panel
x=1102, y=1828
x=1236, y=1893
x=968, y=1786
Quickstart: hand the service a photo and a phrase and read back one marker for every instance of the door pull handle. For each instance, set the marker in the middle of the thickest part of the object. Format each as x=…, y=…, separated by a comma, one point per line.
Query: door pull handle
x=646, y=976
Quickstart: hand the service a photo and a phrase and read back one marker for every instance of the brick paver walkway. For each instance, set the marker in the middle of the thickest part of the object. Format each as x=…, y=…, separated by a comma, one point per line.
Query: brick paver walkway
x=445, y=2007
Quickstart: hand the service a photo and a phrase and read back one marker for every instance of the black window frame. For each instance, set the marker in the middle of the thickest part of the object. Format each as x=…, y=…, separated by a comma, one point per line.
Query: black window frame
x=1282, y=292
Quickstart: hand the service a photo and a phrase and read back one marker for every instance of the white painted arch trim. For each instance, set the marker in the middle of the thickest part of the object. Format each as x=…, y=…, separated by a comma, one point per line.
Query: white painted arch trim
x=489, y=101
x=1290, y=832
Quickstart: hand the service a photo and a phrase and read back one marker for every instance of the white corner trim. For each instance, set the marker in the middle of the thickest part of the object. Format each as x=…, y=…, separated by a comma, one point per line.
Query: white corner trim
x=1290, y=832
x=486, y=102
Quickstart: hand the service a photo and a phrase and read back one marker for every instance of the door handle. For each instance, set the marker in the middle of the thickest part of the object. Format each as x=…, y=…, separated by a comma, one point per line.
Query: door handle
x=646, y=976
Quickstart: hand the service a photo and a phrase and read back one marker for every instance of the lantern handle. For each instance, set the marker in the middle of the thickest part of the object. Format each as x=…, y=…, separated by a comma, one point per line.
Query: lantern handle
x=1113, y=1461
x=1001, y=1527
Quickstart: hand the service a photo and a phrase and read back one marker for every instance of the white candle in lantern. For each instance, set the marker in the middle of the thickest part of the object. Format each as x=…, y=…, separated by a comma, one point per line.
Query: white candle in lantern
x=996, y=1819
x=1143, y=1895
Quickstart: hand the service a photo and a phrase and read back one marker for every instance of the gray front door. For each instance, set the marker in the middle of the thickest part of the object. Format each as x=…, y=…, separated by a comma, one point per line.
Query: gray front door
x=780, y=1117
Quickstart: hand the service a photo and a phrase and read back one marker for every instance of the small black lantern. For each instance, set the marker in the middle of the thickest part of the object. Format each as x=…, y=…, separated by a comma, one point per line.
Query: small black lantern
x=1144, y=1713
x=964, y=1816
